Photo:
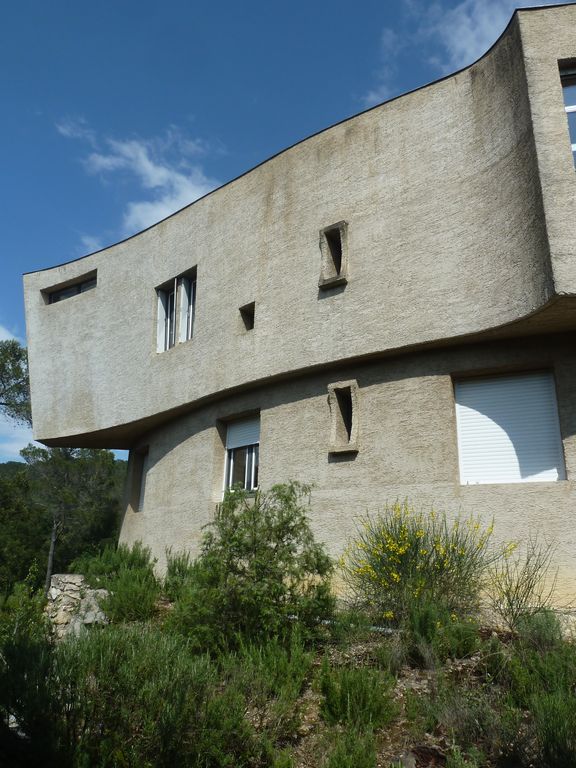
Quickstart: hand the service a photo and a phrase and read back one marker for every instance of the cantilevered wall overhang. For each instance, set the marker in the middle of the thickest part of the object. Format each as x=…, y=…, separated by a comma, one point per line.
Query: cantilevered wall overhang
x=460, y=202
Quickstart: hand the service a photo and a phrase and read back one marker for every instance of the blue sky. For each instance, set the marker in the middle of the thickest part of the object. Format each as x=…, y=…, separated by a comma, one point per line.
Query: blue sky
x=117, y=113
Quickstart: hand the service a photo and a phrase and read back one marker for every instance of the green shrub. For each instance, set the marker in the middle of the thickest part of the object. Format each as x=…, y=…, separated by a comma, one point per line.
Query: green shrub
x=271, y=677
x=359, y=697
x=352, y=750
x=259, y=573
x=134, y=696
x=179, y=572
x=401, y=556
x=520, y=586
x=133, y=595
x=101, y=569
x=433, y=634
x=128, y=575
x=25, y=672
x=555, y=725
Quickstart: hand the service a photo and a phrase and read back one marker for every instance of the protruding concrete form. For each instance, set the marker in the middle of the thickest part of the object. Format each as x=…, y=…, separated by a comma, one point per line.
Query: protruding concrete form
x=322, y=306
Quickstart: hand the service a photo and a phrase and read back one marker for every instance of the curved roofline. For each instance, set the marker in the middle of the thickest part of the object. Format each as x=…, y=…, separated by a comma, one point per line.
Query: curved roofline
x=312, y=135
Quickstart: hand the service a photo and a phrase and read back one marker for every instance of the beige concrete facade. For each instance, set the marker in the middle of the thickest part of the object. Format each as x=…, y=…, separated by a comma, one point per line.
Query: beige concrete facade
x=457, y=208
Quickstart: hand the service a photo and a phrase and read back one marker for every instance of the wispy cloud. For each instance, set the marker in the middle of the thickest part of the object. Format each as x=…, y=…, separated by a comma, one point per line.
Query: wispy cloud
x=7, y=335
x=76, y=128
x=165, y=170
x=445, y=35
x=466, y=31
x=90, y=244
x=391, y=44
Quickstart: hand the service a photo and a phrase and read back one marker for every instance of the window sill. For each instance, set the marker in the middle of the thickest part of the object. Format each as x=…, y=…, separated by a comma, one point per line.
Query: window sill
x=340, y=449
x=325, y=283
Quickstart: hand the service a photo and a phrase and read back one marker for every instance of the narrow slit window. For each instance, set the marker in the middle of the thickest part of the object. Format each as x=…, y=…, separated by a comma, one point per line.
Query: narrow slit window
x=334, y=242
x=80, y=285
x=334, y=254
x=247, y=313
x=139, y=476
x=343, y=402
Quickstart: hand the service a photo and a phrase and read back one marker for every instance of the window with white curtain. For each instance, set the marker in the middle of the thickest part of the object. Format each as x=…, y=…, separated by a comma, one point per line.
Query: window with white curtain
x=242, y=453
x=508, y=429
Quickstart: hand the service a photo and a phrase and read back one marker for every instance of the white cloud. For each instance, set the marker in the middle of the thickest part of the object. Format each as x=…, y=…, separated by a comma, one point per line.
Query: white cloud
x=391, y=44
x=165, y=168
x=465, y=31
x=5, y=334
x=76, y=128
x=13, y=437
x=90, y=244
x=447, y=35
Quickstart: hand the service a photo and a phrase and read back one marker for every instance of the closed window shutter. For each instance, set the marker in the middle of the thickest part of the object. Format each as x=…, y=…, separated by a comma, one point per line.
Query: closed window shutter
x=243, y=432
x=508, y=430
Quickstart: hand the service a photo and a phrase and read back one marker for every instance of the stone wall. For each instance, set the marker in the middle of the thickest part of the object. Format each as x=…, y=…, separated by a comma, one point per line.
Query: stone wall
x=72, y=604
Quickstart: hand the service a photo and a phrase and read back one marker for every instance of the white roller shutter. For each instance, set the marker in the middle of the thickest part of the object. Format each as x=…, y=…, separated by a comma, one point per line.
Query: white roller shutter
x=243, y=432
x=508, y=429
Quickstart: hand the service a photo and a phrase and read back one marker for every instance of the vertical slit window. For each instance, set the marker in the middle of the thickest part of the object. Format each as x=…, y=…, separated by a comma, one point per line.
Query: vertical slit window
x=139, y=476
x=247, y=313
x=343, y=402
x=334, y=255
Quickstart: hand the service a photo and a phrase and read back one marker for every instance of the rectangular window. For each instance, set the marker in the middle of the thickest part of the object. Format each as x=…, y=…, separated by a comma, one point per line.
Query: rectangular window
x=508, y=429
x=242, y=453
x=81, y=285
x=176, y=307
x=568, y=77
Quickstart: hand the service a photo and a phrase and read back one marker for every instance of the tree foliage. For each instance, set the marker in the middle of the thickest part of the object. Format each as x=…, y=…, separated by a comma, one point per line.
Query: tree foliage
x=14, y=387
x=259, y=573
x=78, y=490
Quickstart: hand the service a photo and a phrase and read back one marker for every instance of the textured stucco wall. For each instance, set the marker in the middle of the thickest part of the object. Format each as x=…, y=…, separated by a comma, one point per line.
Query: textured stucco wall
x=407, y=449
x=443, y=199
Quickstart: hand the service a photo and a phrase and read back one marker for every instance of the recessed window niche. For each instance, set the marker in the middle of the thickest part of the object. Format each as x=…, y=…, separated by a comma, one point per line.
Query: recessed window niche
x=343, y=403
x=248, y=313
x=334, y=255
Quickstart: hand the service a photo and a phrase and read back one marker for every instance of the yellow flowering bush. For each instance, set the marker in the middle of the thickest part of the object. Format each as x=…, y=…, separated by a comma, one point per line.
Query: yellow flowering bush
x=401, y=556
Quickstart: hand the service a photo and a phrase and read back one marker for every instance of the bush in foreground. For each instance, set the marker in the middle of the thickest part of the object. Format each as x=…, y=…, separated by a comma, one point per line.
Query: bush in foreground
x=400, y=557
x=260, y=572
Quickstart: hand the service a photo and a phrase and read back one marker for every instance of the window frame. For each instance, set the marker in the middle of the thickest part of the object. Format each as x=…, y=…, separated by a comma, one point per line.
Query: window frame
x=343, y=402
x=251, y=451
x=552, y=432
x=176, y=311
x=568, y=79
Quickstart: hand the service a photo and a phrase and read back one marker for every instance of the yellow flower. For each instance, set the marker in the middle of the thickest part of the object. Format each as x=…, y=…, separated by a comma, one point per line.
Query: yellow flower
x=388, y=615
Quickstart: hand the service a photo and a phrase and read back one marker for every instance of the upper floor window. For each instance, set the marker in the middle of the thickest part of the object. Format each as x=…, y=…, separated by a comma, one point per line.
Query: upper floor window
x=242, y=453
x=569, y=91
x=176, y=305
x=508, y=429
x=80, y=285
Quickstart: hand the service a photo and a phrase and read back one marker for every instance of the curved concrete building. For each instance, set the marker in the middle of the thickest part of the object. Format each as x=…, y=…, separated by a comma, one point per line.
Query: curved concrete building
x=385, y=310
